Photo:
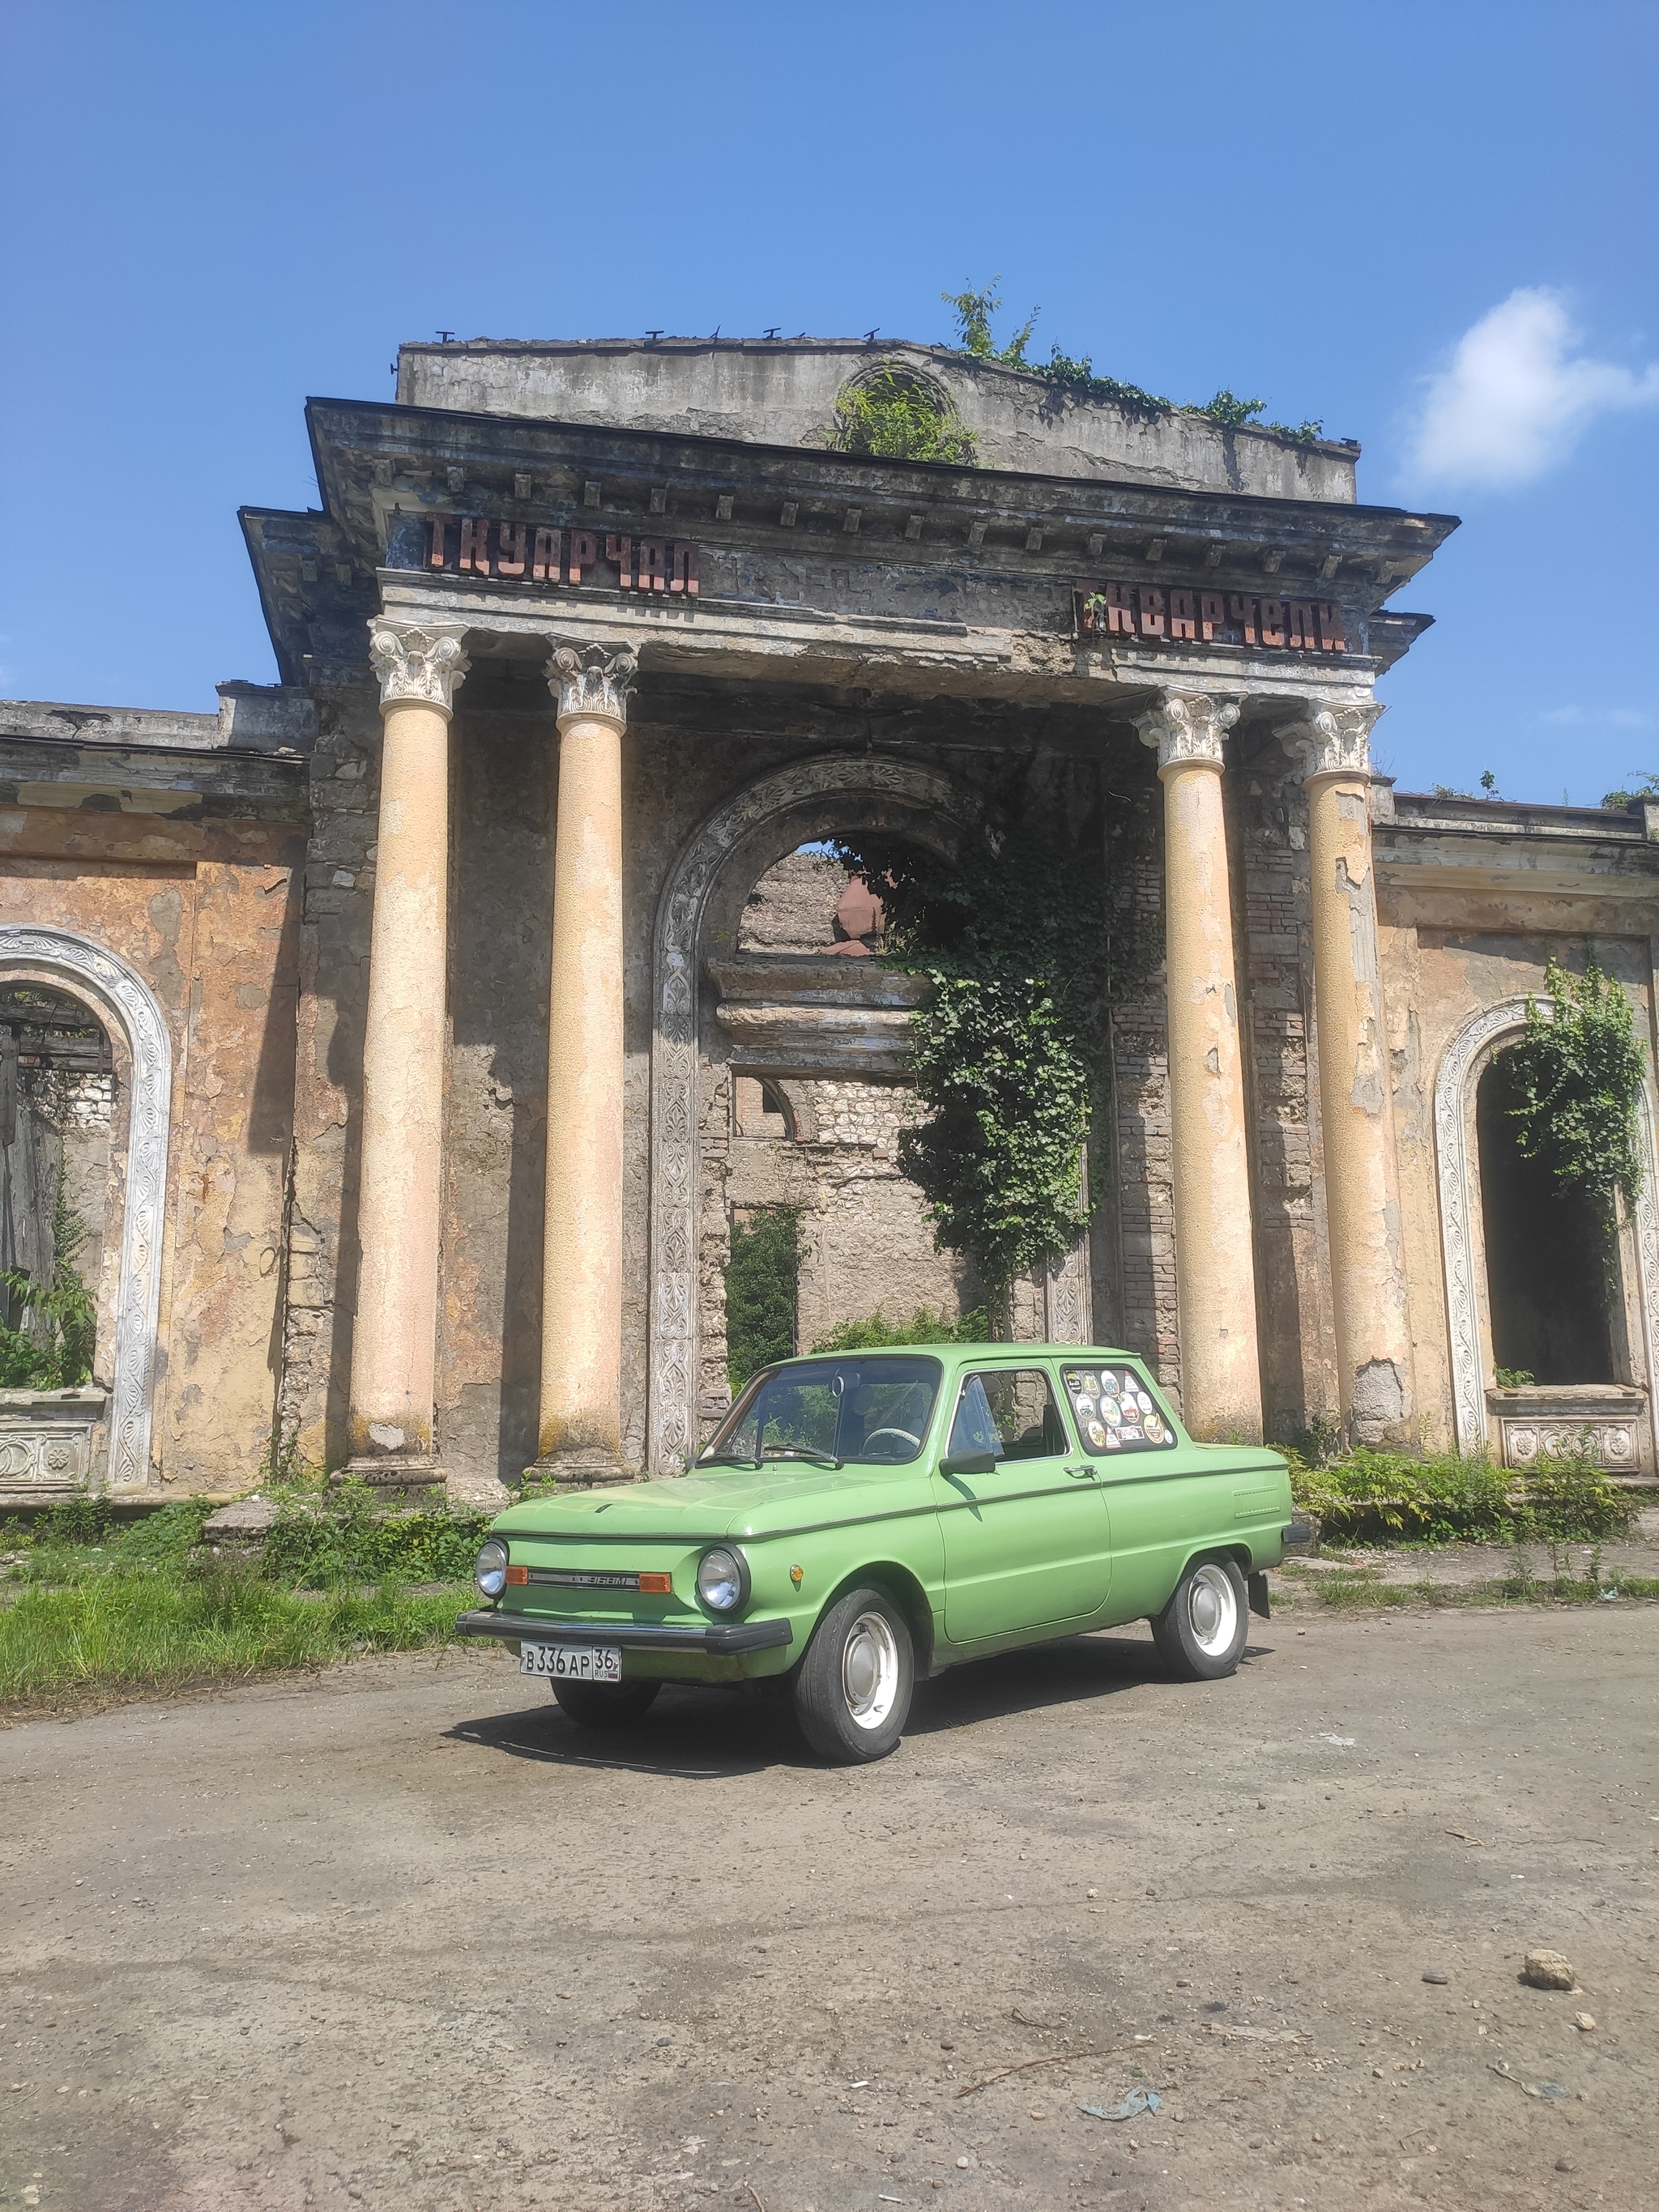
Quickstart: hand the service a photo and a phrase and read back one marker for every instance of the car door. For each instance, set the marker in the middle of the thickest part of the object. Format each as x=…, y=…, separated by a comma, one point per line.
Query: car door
x=1021, y=1512
x=1156, y=1484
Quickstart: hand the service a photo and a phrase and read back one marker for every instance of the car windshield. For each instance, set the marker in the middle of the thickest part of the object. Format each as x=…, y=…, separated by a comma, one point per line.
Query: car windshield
x=869, y=1409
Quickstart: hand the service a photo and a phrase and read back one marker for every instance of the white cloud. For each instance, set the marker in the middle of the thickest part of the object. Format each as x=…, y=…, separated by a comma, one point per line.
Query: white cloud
x=1515, y=398
x=1612, y=718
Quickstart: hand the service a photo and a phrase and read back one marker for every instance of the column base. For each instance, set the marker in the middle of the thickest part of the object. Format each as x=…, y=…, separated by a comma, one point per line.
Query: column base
x=395, y=1482
x=579, y=1470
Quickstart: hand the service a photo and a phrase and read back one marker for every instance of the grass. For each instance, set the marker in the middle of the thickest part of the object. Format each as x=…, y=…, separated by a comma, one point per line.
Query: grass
x=94, y=1606
x=162, y=1629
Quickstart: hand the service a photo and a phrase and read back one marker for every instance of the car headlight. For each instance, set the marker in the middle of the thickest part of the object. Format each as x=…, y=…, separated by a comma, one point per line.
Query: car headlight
x=490, y=1572
x=722, y=1579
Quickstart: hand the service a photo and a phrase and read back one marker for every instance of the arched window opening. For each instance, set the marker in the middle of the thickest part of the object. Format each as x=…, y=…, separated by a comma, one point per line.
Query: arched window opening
x=57, y=1115
x=896, y=411
x=1549, y=1260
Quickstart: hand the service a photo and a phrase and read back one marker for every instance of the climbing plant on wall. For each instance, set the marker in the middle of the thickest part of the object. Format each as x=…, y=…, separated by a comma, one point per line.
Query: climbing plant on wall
x=974, y=310
x=1028, y=940
x=1574, y=1078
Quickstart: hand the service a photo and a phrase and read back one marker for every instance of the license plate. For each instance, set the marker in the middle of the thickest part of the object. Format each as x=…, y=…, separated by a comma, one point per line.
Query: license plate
x=572, y=1663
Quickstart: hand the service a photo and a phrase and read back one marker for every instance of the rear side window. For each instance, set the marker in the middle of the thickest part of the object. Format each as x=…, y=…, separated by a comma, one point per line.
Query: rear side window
x=1115, y=1411
x=1009, y=1411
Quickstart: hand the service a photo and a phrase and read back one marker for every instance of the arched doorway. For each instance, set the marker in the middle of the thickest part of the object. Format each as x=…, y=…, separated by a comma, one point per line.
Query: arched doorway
x=1630, y=1307
x=1550, y=1265
x=701, y=911
x=810, y=1037
x=95, y=991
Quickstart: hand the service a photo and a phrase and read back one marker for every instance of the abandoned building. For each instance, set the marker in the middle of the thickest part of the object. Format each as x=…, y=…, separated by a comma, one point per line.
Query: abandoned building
x=392, y=1054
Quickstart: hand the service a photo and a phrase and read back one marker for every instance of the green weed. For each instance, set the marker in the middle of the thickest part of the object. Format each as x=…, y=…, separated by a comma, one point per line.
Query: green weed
x=1386, y=1497
x=167, y=1626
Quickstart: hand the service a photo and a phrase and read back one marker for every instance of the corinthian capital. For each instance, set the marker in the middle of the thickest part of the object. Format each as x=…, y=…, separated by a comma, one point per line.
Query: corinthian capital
x=415, y=664
x=1187, y=725
x=1333, y=740
x=593, y=680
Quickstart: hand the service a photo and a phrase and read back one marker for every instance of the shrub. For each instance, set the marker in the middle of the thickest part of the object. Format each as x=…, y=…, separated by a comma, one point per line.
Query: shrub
x=926, y=1325
x=895, y=414
x=1386, y=1496
x=322, y=1540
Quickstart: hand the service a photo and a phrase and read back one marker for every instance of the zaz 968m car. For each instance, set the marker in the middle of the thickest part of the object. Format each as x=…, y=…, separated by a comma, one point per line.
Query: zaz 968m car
x=860, y=1518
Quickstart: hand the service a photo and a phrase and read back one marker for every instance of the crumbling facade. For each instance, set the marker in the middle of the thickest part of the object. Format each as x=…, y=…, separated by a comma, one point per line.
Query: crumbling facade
x=460, y=989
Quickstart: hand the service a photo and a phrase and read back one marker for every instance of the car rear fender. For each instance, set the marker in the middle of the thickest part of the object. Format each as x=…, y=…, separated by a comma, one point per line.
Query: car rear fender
x=1238, y=1554
x=898, y=1583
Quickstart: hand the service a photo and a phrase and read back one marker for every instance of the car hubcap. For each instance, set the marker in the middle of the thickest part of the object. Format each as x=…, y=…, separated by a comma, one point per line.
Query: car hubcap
x=1212, y=1610
x=870, y=1670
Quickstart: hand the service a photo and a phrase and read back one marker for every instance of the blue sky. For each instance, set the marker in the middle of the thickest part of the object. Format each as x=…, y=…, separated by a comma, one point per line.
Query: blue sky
x=1430, y=225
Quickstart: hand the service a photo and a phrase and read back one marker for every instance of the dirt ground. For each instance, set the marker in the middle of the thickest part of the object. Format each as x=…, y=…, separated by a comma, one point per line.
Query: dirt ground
x=401, y=1935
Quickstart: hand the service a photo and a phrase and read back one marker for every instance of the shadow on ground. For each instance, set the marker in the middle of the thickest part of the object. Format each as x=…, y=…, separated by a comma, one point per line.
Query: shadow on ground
x=711, y=1734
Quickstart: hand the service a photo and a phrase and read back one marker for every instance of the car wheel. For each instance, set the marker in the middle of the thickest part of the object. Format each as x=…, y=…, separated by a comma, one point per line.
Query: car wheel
x=853, y=1692
x=1202, y=1630
x=606, y=1704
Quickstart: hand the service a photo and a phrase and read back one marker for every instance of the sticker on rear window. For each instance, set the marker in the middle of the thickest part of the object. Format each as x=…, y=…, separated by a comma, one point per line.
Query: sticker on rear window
x=1115, y=1411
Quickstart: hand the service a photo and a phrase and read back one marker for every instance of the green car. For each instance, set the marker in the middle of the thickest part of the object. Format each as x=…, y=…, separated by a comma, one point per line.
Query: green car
x=863, y=1517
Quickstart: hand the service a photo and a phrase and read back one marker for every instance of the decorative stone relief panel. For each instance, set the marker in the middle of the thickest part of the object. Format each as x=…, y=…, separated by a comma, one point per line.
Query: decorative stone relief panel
x=46, y=1441
x=1461, y=1068
x=124, y=1001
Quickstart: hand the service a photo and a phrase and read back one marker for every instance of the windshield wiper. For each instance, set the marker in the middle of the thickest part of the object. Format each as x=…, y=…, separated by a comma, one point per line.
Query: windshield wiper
x=804, y=1451
x=723, y=1459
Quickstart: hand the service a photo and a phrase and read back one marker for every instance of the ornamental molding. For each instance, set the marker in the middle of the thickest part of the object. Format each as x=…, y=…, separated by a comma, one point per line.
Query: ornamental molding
x=418, y=664
x=593, y=679
x=1332, y=740
x=673, y=1435
x=1457, y=1164
x=1187, y=726
x=124, y=1001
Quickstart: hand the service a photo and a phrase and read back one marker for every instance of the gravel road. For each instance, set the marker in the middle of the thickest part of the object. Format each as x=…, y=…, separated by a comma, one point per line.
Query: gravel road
x=400, y=1935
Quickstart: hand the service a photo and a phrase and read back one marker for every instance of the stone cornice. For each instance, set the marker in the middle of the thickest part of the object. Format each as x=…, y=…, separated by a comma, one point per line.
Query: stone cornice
x=1187, y=728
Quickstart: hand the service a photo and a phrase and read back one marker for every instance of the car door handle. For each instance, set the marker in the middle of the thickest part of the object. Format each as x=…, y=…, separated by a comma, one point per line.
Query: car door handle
x=1081, y=1474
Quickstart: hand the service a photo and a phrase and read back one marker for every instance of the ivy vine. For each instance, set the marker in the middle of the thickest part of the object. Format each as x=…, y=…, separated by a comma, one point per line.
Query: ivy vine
x=1574, y=1078
x=974, y=311
x=1028, y=943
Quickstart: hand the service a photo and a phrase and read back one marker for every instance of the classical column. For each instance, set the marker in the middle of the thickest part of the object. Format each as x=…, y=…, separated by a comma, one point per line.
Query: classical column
x=1215, y=1260
x=1362, y=1200
x=580, y=1437
x=394, y=1331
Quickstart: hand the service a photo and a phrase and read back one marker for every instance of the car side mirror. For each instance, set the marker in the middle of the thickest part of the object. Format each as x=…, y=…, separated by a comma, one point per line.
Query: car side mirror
x=969, y=1463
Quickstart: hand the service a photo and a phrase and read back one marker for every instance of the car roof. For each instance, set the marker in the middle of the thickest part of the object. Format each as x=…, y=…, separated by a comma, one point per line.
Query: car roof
x=1083, y=1353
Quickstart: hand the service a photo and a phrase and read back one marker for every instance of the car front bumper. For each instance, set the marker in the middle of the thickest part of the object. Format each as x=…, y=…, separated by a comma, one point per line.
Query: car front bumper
x=723, y=1639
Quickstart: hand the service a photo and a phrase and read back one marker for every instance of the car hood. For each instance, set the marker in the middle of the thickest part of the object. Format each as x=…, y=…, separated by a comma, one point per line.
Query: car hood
x=739, y=1502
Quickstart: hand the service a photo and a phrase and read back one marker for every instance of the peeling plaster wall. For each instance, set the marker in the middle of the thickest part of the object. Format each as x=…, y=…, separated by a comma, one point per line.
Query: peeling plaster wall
x=784, y=393
x=1273, y=916
x=212, y=935
x=336, y=914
